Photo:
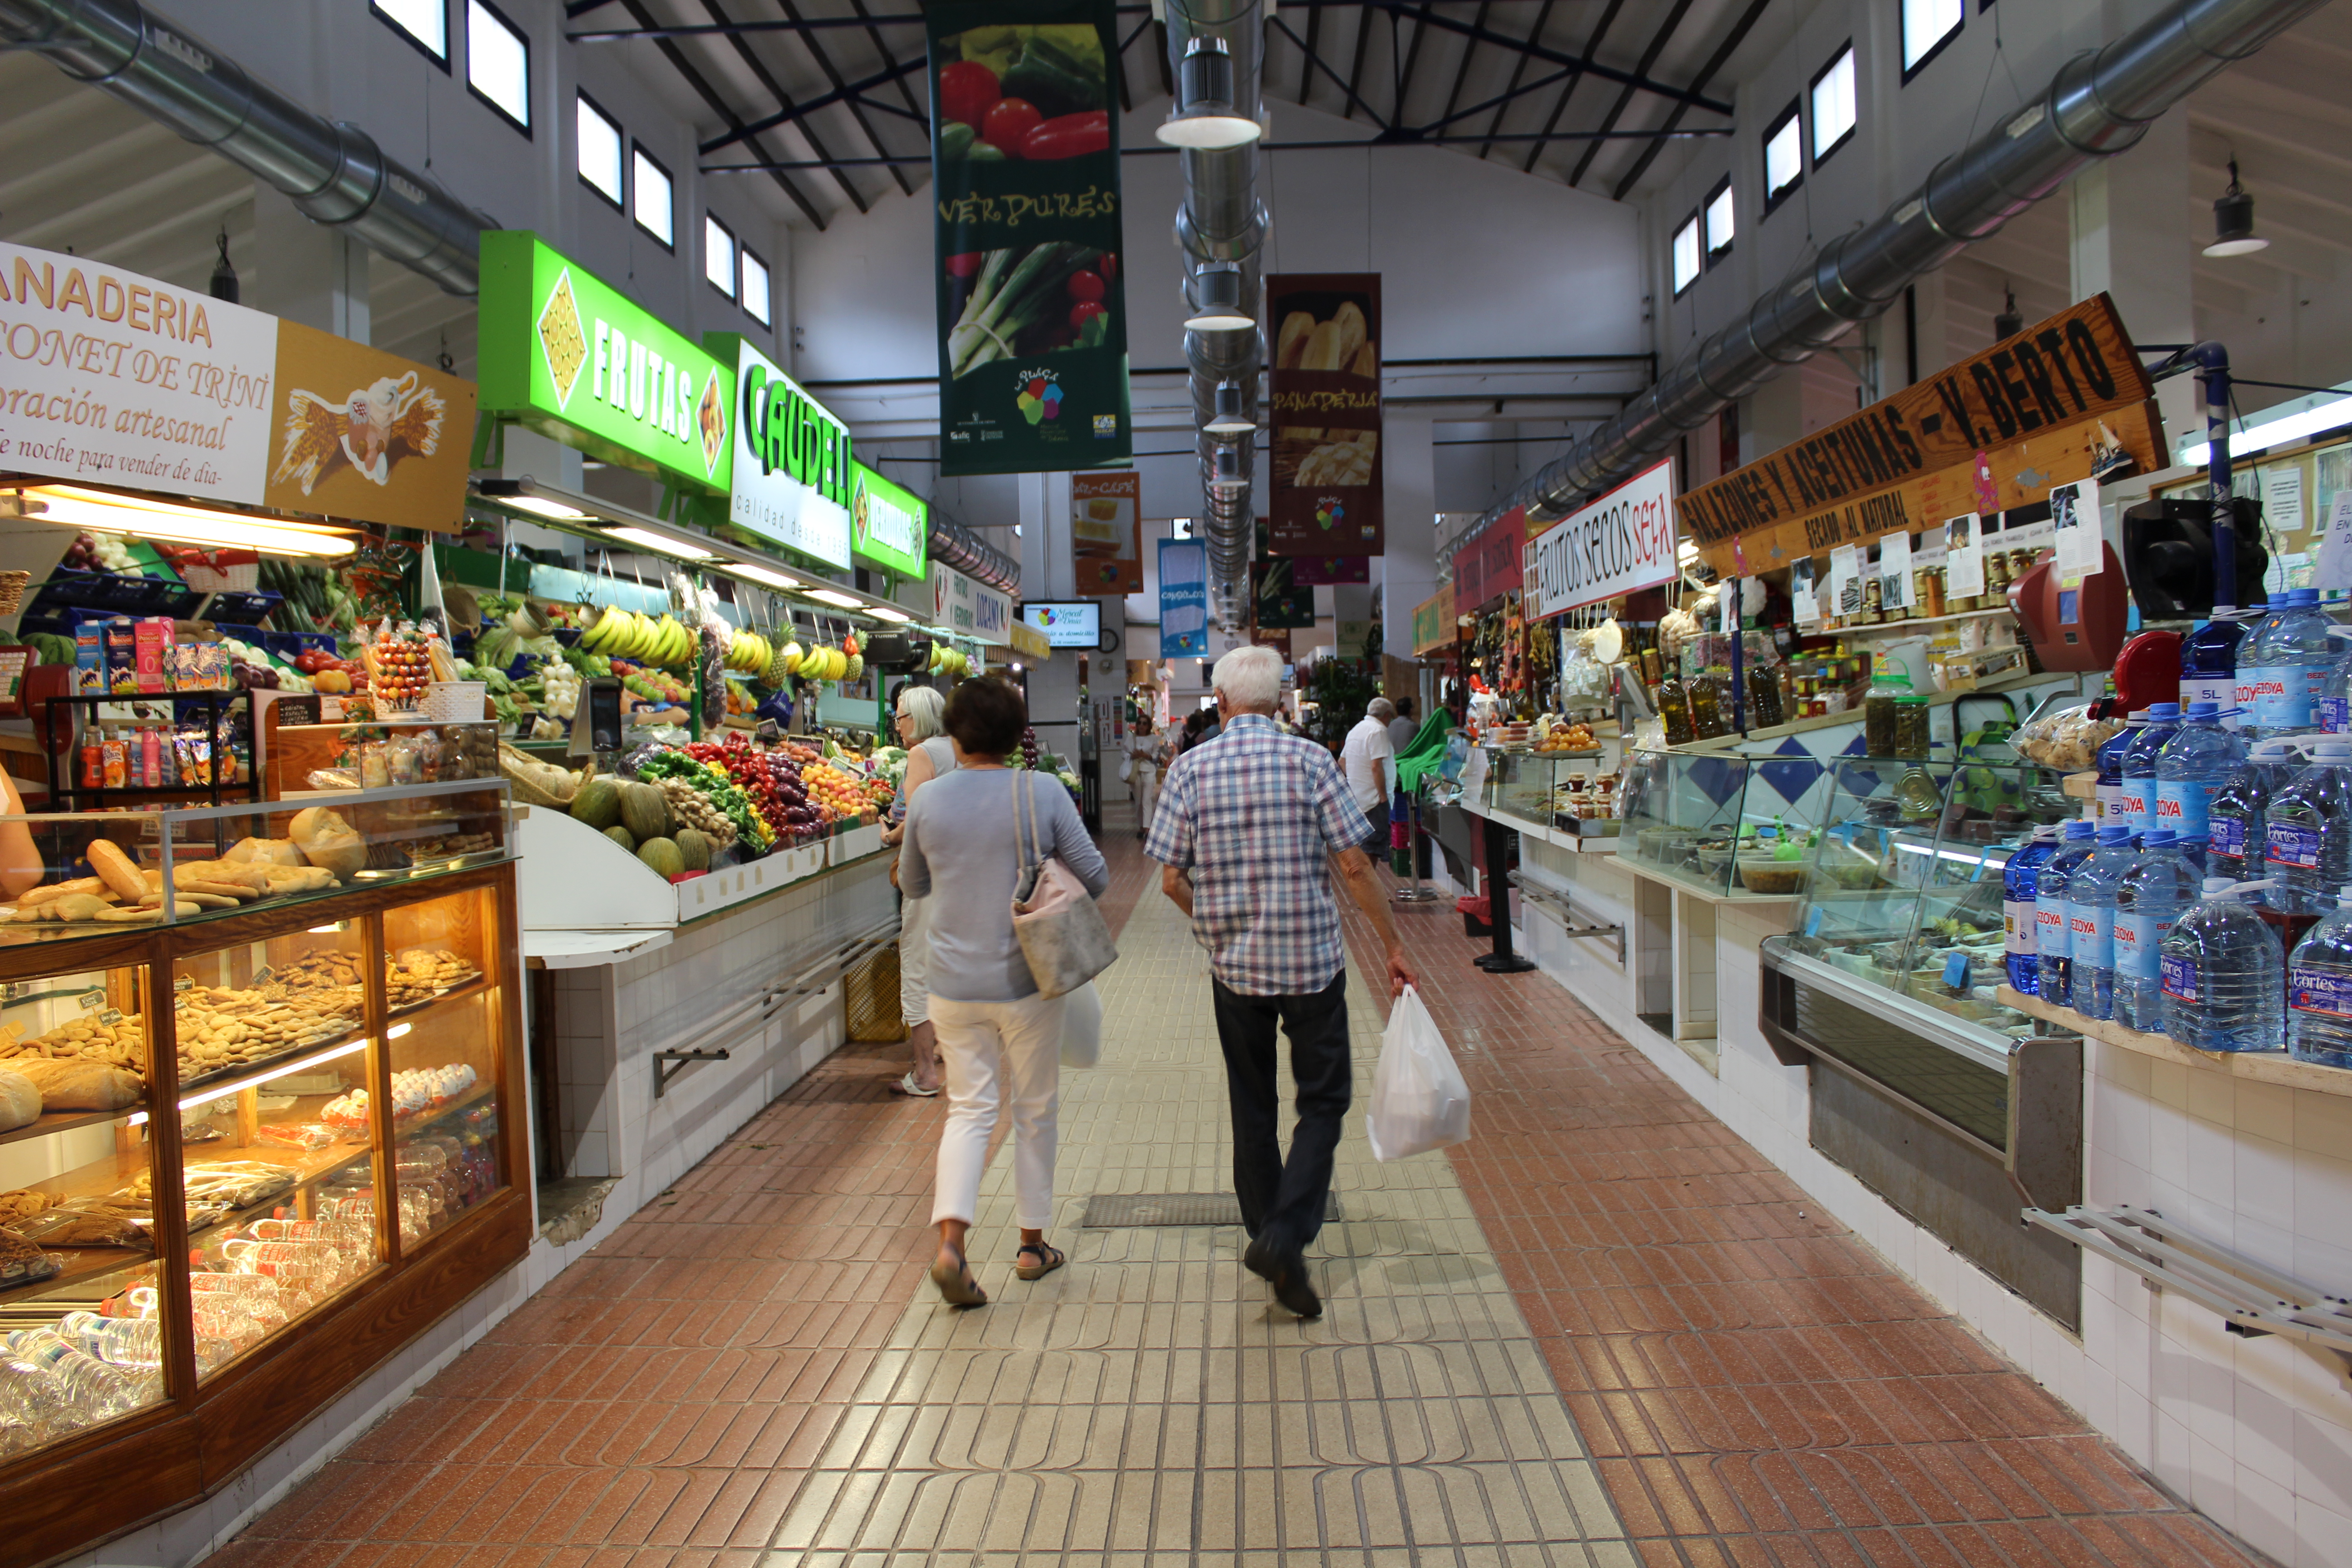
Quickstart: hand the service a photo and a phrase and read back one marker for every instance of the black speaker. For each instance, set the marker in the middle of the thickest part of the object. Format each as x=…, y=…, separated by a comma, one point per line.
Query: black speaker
x=898, y=653
x=2169, y=557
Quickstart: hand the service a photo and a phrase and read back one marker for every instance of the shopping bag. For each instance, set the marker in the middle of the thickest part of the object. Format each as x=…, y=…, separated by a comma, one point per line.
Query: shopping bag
x=1060, y=928
x=1420, y=1101
x=1082, y=1027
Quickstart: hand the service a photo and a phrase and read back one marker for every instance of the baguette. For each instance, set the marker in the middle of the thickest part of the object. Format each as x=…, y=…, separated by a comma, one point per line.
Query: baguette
x=115, y=869
x=1366, y=361
x=1326, y=350
x=1348, y=321
x=1297, y=328
x=36, y=897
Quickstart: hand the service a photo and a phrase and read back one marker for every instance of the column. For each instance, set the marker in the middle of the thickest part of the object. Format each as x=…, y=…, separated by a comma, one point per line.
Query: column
x=1408, y=570
x=2128, y=240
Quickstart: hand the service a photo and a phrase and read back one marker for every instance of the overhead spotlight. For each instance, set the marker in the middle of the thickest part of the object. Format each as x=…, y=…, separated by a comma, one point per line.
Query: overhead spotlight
x=1226, y=471
x=1206, y=119
x=1231, y=418
x=2006, y=321
x=224, y=285
x=2233, y=221
x=1215, y=293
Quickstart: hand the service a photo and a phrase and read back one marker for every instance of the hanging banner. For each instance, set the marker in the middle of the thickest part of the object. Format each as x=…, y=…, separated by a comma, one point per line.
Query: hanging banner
x=889, y=525
x=1326, y=418
x=1432, y=622
x=1183, y=598
x=1489, y=566
x=792, y=465
x=1280, y=601
x=970, y=609
x=2050, y=405
x=1025, y=221
x=1621, y=542
x=1106, y=533
x=1329, y=571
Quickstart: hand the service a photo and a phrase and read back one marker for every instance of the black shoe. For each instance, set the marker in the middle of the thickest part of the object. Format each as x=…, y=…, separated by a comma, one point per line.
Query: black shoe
x=1287, y=1272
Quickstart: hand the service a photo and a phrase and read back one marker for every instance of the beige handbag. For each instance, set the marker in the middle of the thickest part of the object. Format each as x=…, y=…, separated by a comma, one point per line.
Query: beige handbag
x=1061, y=930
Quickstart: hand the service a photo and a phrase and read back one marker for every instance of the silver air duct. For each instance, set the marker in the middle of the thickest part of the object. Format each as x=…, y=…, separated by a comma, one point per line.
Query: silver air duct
x=335, y=172
x=2097, y=106
x=958, y=546
x=1216, y=48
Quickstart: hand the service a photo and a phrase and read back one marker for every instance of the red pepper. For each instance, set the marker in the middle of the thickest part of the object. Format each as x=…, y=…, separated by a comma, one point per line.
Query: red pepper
x=966, y=265
x=968, y=90
x=1086, y=287
x=1067, y=136
x=1108, y=264
x=1008, y=123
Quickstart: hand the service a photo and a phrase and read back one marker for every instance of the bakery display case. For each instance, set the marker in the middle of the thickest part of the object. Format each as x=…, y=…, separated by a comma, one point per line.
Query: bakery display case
x=1724, y=825
x=256, y=1135
x=1570, y=791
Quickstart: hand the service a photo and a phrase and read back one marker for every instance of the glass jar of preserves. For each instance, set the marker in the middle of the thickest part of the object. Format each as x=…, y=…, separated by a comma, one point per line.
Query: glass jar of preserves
x=1878, y=713
x=1911, y=724
x=1928, y=586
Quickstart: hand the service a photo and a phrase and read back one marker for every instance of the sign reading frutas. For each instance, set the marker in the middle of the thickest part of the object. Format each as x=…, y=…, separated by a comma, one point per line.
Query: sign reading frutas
x=1989, y=434
x=1621, y=542
x=889, y=526
x=573, y=357
x=793, y=476
x=1326, y=413
x=1183, y=598
x=970, y=609
x=1106, y=533
x=1026, y=217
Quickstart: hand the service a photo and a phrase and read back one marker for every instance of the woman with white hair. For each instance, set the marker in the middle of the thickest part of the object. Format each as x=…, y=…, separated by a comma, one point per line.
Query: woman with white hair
x=921, y=719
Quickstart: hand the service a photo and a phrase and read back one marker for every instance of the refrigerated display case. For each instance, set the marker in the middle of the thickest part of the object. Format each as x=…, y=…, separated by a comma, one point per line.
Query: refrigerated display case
x=1715, y=824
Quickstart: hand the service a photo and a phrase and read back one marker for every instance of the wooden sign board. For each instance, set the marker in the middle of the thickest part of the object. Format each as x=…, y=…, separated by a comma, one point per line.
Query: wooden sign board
x=2046, y=389
x=1432, y=622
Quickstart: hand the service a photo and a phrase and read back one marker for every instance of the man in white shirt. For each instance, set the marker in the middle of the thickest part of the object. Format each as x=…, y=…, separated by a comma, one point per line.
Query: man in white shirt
x=1369, y=761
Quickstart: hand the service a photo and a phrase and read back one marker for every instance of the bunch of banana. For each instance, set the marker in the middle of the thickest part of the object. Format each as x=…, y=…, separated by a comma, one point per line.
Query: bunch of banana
x=749, y=652
x=633, y=634
x=946, y=661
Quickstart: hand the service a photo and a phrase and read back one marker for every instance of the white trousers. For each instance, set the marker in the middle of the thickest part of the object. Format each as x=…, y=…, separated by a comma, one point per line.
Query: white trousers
x=1144, y=785
x=991, y=1049
x=914, y=960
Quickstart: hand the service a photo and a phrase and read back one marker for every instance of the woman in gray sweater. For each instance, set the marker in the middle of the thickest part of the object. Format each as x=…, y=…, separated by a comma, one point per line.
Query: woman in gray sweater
x=998, y=1038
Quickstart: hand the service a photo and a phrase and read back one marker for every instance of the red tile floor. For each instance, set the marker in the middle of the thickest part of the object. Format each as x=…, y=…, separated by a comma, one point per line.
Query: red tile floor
x=1757, y=1385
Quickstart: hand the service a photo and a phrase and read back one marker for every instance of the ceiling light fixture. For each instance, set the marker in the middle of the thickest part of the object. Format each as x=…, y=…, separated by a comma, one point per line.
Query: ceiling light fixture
x=760, y=574
x=2233, y=221
x=1205, y=119
x=836, y=598
x=1215, y=293
x=662, y=544
x=1226, y=471
x=75, y=506
x=884, y=613
x=1231, y=418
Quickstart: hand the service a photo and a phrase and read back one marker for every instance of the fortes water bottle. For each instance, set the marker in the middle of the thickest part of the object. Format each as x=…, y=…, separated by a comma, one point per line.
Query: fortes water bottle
x=2159, y=886
x=2191, y=767
x=2135, y=801
x=2208, y=663
x=2090, y=921
x=2111, y=767
x=2307, y=832
x=2051, y=944
x=2284, y=661
x=2237, y=819
x=2319, y=990
x=2224, y=974
x=2022, y=956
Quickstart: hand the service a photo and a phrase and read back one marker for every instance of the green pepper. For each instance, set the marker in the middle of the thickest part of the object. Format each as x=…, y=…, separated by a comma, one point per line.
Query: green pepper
x=1054, y=79
x=985, y=152
x=956, y=140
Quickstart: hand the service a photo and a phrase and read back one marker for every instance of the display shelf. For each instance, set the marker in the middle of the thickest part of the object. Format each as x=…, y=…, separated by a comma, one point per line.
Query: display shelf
x=1866, y=628
x=2254, y=1067
x=65, y=1122
x=1853, y=715
x=252, y=1075
x=1706, y=892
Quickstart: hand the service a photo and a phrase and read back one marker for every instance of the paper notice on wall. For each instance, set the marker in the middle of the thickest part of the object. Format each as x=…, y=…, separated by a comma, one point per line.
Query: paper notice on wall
x=1963, y=556
x=2334, y=569
x=2075, y=528
x=2282, y=498
x=1804, y=603
x=1894, y=572
x=1846, y=581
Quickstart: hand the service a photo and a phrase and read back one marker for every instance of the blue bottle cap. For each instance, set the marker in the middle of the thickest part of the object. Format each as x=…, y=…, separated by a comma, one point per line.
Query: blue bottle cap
x=2080, y=829
x=2111, y=836
x=2204, y=712
x=2158, y=839
x=2302, y=596
x=2162, y=711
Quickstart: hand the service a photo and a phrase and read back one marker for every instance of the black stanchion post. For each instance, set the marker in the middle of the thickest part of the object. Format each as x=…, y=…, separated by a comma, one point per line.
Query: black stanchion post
x=1502, y=960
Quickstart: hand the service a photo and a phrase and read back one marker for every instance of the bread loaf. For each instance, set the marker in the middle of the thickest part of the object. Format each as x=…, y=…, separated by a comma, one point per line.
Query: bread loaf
x=116, y=869
x=20, y=1101
x=327, y=841
x=81, y=1085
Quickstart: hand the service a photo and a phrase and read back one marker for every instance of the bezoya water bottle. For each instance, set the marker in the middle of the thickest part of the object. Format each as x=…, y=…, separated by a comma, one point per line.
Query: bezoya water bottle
x=2090, y=921
x=2160, y=884
x=2307, y=832
x=2333, y=712
x=2282, y=663
x=2208, y=663
x=2237, y=819
x=2110, y=790
x=2135, y=798
x=2052, y=945
x=2191, y=767
x=2022, y=956
x=2319, y=990
x=2222, y=967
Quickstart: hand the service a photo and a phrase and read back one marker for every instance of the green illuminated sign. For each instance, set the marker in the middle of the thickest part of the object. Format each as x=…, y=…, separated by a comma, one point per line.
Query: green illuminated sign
x=570, y=355
x=889, y=526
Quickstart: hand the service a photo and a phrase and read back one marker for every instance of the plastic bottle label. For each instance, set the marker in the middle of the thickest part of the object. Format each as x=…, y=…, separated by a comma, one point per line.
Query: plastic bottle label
x=2179, y=977
x=2132, y=805
x=2291, y=843
x=2221, y=691
x=2324, y=990
x=2050, y=928
x=2110, y=798
x=2017, y=919
x=2139, y=943
x=2281, y=696
x=2335, y=715
x=2180, y=806
x=2088, y=936
x=2225, y=835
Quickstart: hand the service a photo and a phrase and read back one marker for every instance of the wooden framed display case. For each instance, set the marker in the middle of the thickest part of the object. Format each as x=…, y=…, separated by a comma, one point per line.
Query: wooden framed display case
x=227, y=1210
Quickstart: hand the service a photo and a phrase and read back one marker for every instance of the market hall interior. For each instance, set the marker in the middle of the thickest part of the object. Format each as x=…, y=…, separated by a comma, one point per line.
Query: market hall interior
x=497, y=496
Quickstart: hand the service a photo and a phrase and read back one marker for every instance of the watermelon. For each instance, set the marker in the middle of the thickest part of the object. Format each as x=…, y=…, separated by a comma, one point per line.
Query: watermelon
x=645, y=811
x=597, y=803
x=662, y=856
x=622, y=836
x=694, y=847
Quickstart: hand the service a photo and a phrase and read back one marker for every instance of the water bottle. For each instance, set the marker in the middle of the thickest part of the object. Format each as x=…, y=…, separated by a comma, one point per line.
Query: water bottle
x=2136, y=800
x=96, y=1391
x=2284, y=663
x=2090, y=920
x=2319, y=990
x=2237, y=818
x=2111, y=767
x=2307, y=832
x=2191, y=767
x=2052, y=947
x=2334, y=713
x=2208, y=663
x=2223, y=972
x=2160, y=884
x=2021, y=958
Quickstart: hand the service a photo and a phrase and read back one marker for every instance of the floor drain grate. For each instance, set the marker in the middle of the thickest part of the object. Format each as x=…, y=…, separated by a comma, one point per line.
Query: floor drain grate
x=1122, y=1210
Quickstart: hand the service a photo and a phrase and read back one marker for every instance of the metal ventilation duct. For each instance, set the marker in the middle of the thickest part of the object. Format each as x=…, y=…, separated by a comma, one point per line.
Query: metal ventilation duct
x=1219, y=230
x=2097, y=106
x=958, y=546
x=335, y=172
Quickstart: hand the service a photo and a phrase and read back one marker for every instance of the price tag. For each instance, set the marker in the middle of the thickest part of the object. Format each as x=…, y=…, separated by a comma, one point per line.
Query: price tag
x=111, y=1016
x=1813, y=921
x=91, y=1001
x=184, y=983
x=1956, y=971
x=262, y=976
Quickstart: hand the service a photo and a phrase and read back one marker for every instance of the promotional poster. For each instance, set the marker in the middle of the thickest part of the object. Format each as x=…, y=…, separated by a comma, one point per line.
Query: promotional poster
x=1326, y=413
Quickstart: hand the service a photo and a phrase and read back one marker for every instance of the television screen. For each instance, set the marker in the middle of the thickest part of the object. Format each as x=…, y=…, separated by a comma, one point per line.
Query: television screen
x=1074, y=623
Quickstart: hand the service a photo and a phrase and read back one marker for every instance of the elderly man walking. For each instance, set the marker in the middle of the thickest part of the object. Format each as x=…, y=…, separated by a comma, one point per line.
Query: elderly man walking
x=1368, y=757
x=1249, y=829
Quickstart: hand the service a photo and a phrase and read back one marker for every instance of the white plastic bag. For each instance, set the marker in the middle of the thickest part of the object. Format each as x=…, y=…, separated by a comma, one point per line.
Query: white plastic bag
x=1420, y=1101
x=1082, y=1027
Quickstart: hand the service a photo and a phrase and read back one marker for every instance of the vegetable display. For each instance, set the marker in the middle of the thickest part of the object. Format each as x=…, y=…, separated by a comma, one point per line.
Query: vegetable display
x=1031, y=301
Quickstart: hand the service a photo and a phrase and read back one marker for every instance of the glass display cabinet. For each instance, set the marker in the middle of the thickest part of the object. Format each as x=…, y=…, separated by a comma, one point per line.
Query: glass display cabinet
x=1722, y=824
x=1550, y=790
x=254, y=1134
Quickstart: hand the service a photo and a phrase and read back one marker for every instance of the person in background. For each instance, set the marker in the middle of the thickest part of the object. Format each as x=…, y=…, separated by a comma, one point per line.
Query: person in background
x=1143, y=772
x=1251, y=829
x=921, y=720
x=1402, y=729
x=1370, y=762
x=999, y=1038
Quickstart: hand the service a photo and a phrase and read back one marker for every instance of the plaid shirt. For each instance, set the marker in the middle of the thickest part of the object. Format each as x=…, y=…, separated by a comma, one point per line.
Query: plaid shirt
x=1254, y=815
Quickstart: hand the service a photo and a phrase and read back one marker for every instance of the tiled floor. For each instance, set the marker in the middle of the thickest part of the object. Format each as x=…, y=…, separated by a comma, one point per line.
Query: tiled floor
x=1600, y=1333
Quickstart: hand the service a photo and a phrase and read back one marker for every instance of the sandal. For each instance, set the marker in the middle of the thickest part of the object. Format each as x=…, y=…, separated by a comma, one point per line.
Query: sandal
x=1049, y=1257
x=957, y=1286
x=909, y=1087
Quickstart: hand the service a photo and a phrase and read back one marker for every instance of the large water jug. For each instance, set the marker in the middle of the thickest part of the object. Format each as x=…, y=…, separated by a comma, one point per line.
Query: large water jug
x=2159, y=886
x=2307, y=832
x=2090, y=920
x=2208, y=662
x=2110, y=790
x=2224, y=974
x=2135, y=801
x=2335, y=713
x=2237, y=819
x=2051, y=946
x=2191, y=767
x=2319, y=990
x=2284, y=663
x=2021, y=955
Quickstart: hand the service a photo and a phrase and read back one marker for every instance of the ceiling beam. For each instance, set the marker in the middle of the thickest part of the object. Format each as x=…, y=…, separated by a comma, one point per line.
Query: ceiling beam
x=775, y=90
x=855, y=106
x=1625, y=95
x=709, y=95
x=1462, y=69
x=1638, y=78
x=738, y=131
x=1320, y=63
x=1591, y=45
x=1520, y=65
x=1731, y=40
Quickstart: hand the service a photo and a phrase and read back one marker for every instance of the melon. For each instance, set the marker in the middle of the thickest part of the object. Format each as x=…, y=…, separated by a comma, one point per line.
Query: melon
x=622, y=836
x=597, y=803
x=694, y=847
x=645, y=811
x=662, y=856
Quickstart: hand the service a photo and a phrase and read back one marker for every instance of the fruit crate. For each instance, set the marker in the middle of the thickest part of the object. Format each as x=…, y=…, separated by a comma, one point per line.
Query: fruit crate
x=68, y=589
x=242, y=608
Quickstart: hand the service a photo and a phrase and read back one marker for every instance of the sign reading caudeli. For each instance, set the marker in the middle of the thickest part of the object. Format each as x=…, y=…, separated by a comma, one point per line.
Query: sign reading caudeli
x=1621, y=542
x=793, y=469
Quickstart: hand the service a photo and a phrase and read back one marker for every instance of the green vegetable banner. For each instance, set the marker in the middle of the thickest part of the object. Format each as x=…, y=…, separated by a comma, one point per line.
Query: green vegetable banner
x=1025, y=179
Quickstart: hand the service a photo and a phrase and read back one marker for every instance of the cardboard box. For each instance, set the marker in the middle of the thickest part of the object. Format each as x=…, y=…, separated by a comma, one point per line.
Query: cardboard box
x=151, y=644
x=89, y=659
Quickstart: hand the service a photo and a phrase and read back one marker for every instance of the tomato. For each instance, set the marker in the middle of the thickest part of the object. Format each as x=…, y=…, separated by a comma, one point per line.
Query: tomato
x=1087, y=288
x=1086, y=311
x=968, y=90
x=1009, y=120
x=964, y=265
x=1108, y=265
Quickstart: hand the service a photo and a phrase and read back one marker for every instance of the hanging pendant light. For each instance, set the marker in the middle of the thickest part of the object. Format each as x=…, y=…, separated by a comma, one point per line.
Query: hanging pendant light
x=1206, y=119
x=1231, y=418
x=2006, y=321
x=2233, y=221
x=1215, y=293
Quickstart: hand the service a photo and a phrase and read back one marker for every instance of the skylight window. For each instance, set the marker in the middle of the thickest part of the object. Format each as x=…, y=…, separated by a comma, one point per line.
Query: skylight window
x=1686, y=256
x=1834, y=112
x=1784, y=156
x=755, y=290
x=498, y=63
x=651, y=206
x=600, y=150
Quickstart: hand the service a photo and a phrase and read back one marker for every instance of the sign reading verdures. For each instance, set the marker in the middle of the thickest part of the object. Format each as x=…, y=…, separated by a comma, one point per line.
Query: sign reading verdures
x=1326, y=418
x=1622, y=542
